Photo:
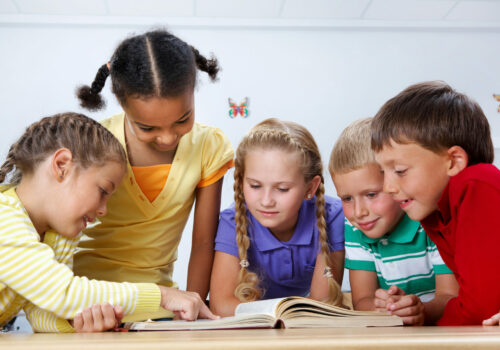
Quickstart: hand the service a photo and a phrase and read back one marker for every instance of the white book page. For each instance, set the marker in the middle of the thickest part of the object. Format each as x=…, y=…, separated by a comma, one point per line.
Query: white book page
x=267, y=307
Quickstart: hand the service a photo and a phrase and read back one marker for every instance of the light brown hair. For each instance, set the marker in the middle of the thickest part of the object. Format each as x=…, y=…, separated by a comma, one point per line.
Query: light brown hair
x=352, y=150
x=90, y=143
x=436, y=117
x=290, y=137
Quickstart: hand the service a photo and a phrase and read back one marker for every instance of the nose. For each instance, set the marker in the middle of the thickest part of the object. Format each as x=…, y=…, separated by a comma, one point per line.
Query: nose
x=360, y=209
x=267, y=199
x=102, y=210
x=166, y=138
x=389, y=184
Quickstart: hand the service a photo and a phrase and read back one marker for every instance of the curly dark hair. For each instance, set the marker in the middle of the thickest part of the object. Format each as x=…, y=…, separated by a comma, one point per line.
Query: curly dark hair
x=154, y=64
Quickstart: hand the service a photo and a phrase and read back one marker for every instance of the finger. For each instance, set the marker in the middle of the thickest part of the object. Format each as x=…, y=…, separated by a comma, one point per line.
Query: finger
x=408, y=311
x=88, y=320
x=381, y=294
x=403, y=302
x=97, y=316
x=78, y=323
x=395, y=290
x=109, y=318
x=118, y=313
x=206, y=313
x=492, y=321
x=379, y=303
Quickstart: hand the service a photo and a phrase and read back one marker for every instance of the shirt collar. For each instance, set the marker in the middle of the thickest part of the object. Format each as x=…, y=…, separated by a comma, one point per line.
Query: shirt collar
x=404, y=232
x=264, y=240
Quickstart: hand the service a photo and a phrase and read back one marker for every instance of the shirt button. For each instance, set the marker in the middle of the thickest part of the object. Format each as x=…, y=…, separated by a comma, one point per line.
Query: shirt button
x=383, y=241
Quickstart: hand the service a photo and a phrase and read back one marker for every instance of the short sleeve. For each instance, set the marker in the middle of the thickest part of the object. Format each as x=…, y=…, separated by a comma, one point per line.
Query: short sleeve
x=437, y=262
x=334, y=223
x=216, y=152
x=357, y=253
x=225, y=240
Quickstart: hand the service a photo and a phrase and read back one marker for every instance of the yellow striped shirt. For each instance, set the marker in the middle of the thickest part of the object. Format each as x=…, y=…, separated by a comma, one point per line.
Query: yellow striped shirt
x=37, y=276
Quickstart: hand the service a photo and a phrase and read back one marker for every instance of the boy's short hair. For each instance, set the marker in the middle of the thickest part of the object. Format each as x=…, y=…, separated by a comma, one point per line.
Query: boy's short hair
x=437, y=117
x=353, y=148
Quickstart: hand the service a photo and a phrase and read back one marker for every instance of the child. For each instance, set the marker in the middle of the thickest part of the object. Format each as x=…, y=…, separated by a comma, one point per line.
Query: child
x=172, y=161
x=283, y=236
x=435, y=149
x=389, y=255
x=65, y=169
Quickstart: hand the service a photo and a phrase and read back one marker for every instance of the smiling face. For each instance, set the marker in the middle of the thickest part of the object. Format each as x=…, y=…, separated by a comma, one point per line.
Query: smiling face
x=365, y=204
x=414, y=176
x=274, y=189
x=83, y=196
x=159, y=123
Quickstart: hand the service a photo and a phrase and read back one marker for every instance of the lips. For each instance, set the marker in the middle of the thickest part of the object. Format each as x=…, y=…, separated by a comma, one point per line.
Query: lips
x=405, y=203
x=367, y=225
x=268, y=213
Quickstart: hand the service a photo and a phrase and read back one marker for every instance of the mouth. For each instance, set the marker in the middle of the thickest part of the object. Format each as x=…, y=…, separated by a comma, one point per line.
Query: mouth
x=405, y=203
x=367, y=225
x=268, y=214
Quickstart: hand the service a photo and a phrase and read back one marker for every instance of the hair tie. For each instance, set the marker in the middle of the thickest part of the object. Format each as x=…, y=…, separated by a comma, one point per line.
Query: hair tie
x=327, y=272
x=244, y=263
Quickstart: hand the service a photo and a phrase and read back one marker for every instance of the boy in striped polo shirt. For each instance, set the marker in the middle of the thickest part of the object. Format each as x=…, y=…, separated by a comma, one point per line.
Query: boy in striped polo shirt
x=393, y=265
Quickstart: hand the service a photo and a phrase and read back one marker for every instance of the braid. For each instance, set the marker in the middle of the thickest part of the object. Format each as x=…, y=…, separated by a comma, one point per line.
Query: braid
x=334, y=292
x=210, y=66
x=84, y=137
x=90, y=96
x=247, y=289
x=9, y=163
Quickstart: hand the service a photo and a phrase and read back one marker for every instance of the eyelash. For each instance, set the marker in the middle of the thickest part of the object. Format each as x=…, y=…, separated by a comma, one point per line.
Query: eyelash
x=103, y=192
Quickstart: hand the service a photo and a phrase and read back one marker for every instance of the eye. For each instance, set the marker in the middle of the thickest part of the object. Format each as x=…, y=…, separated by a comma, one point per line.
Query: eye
x=400, y=172
x=283, y=189
x=103, y=191
x=254, y=186
x=372, y=194
x=146, y=129
x=346, y=199
x=183, y=121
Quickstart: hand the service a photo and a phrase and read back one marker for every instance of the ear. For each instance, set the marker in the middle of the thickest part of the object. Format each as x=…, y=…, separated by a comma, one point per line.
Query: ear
x=62, y=163
x=312, y=186
x=458, y=160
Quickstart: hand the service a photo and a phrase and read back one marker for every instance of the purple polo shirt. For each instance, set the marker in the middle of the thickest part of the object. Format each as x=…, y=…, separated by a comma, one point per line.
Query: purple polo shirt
x=284, y=268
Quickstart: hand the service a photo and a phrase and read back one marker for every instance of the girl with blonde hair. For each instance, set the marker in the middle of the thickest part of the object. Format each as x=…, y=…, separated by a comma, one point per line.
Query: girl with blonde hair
x=283, y=236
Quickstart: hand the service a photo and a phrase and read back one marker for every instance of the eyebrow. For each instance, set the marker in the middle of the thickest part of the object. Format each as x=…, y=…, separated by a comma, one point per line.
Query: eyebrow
x=152, y=126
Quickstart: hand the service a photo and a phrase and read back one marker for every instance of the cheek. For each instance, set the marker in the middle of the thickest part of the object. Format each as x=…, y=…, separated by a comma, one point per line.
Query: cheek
x=384, y=205
x=348, y=211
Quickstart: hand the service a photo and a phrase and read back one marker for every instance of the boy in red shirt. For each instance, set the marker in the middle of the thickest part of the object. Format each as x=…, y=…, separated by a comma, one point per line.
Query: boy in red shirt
x=435, y=149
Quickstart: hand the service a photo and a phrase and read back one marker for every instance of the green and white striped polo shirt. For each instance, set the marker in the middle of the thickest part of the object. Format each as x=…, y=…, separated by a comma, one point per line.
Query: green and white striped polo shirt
x=405, y=257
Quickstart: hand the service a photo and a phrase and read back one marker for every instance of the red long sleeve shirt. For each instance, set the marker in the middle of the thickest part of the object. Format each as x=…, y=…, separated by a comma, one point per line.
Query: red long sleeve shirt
x=466, y=230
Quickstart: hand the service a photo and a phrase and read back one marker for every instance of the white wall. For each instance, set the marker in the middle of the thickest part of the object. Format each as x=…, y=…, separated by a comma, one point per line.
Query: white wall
x=323, y=78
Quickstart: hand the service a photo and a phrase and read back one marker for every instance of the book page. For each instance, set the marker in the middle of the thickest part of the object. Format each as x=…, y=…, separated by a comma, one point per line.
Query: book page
x=267, y=307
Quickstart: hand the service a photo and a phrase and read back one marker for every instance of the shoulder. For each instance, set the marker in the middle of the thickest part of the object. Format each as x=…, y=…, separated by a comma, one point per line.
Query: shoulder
x=484, y=175
x=333, y=206
x=207, y=133
x=114, y=122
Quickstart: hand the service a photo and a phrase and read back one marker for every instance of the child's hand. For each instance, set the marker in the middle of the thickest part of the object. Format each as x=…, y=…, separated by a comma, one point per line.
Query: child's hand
x=409, y=307
x=493, y=320
x=97, y=318
x=185, y=305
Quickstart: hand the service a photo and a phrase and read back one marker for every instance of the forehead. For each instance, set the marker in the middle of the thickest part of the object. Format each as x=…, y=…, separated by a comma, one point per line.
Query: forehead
x=368, y=177
x=273, y=165
x=157, y=111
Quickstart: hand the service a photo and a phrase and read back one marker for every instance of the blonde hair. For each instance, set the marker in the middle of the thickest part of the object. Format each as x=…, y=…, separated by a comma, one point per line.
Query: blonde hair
x=353, y=148
x=290, y=137
x=89, y=142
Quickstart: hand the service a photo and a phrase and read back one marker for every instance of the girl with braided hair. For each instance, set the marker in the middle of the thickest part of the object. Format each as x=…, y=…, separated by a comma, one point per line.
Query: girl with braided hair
x=283, y=236
x=172, y=162
x=57, y=180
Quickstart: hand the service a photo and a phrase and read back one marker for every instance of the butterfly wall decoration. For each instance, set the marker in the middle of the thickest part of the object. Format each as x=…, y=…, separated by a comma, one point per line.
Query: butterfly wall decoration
x=497, y=97
x=235, y=109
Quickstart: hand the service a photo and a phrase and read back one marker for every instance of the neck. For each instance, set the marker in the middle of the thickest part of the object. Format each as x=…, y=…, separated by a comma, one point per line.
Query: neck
x=30, y=197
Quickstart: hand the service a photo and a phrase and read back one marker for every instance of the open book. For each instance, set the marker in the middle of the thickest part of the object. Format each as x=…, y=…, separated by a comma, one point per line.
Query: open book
x=290, y=312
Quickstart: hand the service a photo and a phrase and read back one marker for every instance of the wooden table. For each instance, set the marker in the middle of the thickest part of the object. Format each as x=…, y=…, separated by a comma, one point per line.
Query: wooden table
x=406, y=338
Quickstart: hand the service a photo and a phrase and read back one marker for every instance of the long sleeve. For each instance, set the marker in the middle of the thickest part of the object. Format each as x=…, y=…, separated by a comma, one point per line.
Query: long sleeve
x=30, y=269
x=476, y=255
